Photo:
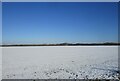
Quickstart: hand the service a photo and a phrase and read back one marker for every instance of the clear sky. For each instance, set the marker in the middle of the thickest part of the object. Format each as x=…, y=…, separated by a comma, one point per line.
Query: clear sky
x=50, y=22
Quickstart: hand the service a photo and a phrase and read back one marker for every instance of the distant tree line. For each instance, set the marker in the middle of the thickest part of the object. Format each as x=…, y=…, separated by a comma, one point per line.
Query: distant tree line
x=66, y=44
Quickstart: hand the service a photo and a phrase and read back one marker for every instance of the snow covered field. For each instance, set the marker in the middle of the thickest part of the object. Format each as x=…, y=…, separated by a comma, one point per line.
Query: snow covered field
x=0, y=63
x=61, y=62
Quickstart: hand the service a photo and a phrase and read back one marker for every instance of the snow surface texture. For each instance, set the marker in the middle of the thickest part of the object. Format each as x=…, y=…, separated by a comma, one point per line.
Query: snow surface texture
x=0, y=63
x=60, y=62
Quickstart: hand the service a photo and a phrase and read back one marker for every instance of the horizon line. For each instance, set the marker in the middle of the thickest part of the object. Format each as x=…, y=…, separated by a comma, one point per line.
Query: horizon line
x=63, y=43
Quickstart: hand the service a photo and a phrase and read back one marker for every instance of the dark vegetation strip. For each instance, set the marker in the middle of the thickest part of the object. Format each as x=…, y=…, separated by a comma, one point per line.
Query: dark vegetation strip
x=65, y=44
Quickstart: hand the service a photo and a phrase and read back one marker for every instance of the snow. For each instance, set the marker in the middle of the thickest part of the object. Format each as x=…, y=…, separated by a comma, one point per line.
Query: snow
x=0, y=63
x=60, y=62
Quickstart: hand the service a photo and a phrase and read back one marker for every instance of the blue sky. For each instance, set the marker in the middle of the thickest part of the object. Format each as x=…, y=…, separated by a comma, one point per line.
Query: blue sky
x=50, y=22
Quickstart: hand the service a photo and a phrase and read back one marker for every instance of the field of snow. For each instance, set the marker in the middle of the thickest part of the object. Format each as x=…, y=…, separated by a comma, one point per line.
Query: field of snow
x=0, y=63
x=60, y=62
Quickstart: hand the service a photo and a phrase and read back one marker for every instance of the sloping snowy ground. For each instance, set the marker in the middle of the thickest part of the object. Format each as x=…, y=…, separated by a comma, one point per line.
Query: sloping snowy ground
x=61, y=62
